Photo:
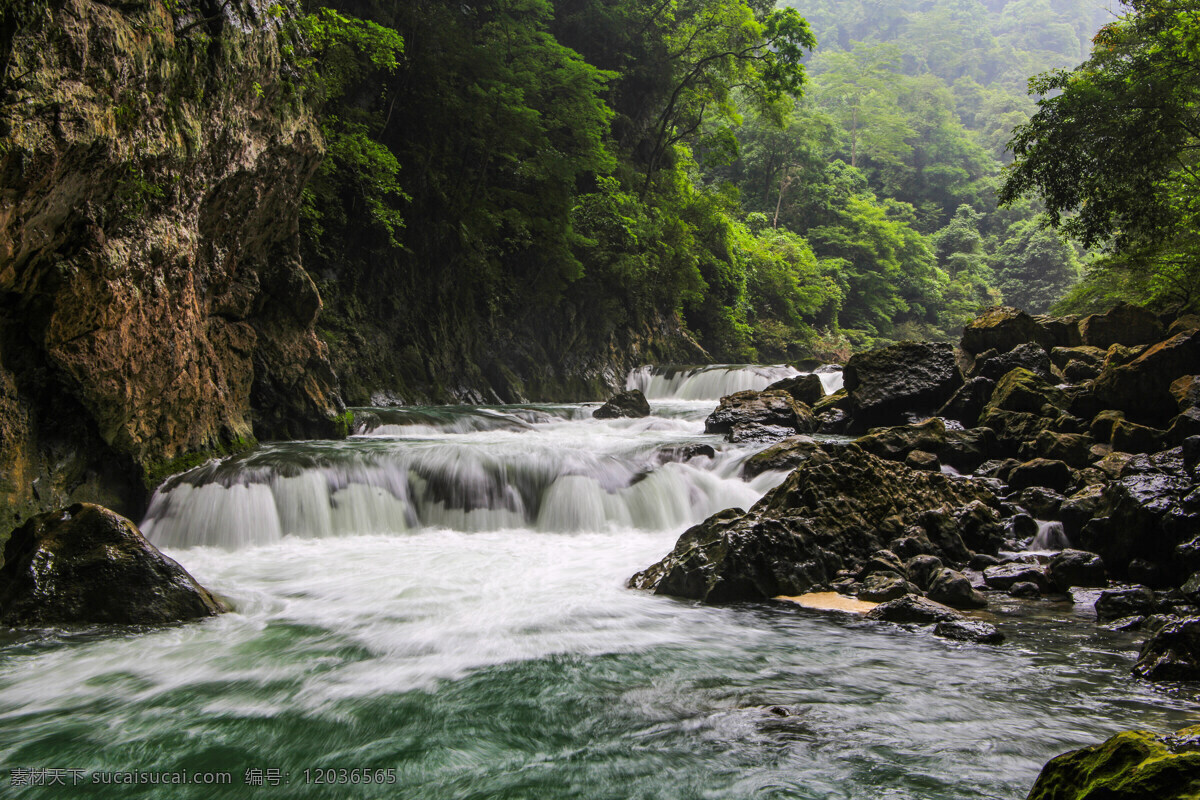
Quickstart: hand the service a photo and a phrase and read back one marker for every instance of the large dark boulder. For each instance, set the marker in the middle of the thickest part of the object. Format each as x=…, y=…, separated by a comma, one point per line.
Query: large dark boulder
x=1001, y=328
x=823, y=518
x=1133, y=765
x=785, y=456
x=1142, y=387
x=1022, y=391
x=897, y=442
x=86, y=565
x=1172, y=654
x=1044, y=472
x=1059, y=331
x=1005, y=576
x=968, y=401
x=1026, y=356
x=954, y=589
x=1126, y=601
x=631, y=404
x=913, y=609
x=1186, y=391
x=1075, y=568
x=739, y=414
x=1122, y=324
x=806, y=389
x=886, y=384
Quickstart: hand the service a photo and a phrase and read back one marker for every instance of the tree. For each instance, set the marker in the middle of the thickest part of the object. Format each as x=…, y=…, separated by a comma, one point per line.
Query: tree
x=1115, y=155
x=1035, y=267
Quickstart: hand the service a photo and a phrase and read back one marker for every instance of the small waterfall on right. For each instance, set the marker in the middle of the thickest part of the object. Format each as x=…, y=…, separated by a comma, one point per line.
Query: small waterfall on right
x=1050, y=537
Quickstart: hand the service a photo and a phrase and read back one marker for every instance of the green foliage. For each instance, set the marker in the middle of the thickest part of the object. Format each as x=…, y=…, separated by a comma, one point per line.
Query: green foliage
x=1114, y=150
x=1035, y=267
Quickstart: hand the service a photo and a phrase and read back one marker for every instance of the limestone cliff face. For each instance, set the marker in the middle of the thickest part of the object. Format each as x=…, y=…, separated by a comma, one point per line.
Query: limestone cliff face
x=152, y=300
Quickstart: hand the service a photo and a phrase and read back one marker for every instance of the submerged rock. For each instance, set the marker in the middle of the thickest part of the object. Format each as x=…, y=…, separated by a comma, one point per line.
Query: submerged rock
x=824, y=517
x=1133, y=765
x=85, y=564
x=969, y=630
x=631, y=404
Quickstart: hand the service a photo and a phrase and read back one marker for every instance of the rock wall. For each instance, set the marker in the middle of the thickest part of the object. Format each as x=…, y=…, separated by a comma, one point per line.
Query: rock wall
x=154, y=307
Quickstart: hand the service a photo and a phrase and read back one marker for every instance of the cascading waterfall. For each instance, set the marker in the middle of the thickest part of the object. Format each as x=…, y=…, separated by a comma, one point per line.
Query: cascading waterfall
x=1050, y=537
x=714, y=381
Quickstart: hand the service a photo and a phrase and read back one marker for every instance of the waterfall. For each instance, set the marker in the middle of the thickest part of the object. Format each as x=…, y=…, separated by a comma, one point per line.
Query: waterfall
x=422, y=469
x=1050, y=537
x=717, y=380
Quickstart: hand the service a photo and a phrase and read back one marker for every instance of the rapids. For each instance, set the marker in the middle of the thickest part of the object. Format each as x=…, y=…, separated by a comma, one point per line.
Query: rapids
x=440, y=600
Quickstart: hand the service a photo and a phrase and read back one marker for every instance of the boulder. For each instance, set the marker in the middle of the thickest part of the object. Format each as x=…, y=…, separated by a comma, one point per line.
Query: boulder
x=1130, y=437
x=1001, y=328
x=1040, y=502
x=954, y=589
x=1075, y=568
x=1005, y=576
x=1077, y=509
x=838, y=401
x=1072, y=448
x=1080, y=372
x=1188, y=322
x=883, y=586
x=1186, y=391
x=1022, y=391
x=1026, y=589
x=890, y=382
x=1183, y=427
x=1173, y=654
x=87, y=565
x=1101, y=428
x=922, y=569
x=1060, y=331
x=1027, y=356
x=980, y=528
x=806, y=389
x=835, y=421
x=968, y=401
x=913, y=609
x=785, y=455
x=897, y=442
x=756, y=433
x=1142, y=387
x=965, y=450
x=1133, y=765
x=1046, y=472
x=919, y=459
x=823, y=518
x=968, y=630
x=1091, y=356
x=751, y=410
x=1125, y=602
x=631, y=404
x=1122, y=324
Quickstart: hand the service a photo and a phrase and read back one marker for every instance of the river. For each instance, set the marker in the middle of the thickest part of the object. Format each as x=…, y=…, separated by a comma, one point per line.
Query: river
x=440, y=601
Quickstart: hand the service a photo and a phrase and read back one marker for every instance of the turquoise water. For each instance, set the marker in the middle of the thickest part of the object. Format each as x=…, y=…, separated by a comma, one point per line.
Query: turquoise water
x=493, y=652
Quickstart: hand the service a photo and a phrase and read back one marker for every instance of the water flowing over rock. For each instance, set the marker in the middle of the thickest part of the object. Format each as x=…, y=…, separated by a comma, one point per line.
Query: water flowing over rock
x=824, y=517
x=85, y=564
x=631, y=404
x=1133, y=765
x=1171, y=654
x=906, y=378
x=709, y=382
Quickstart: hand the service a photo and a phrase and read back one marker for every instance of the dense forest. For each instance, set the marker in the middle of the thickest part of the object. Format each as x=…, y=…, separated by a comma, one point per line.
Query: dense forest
x=782, y=182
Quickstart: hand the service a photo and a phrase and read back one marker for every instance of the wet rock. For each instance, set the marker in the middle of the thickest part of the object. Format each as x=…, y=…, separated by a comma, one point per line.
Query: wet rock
x=755, y=433
x=785, y=455
x=1173, y=654
x=996, y=468
x=1072, y=448
x=1184, y=426
x=85, y=564
x=1040, y=502
x=883, y=561
x=1045, y=472
x=632, y=404
x=1026, y=589
x=1079, y=372
x=1005, y=576
x=839, y=400
x=919, y=459
x=1091, y=356
x=965, y=450
x=1114, y=463
x=1022, y=391
x=979, y=527
x=1125, y=602
x=806, y=389
x=910, y=377
x=1027, y=356
x=955, y=590
x=1141, y=388
x=686, y=453
x=1129, y=437
x=758, y=410
x=1101, y=428
x=1186, y=391
x=981, y=561
x=922, y=569
x=1133, y=765
x=941, y=528
x=883, y=586
x=908, y=547
x=913, y=609
x=1060, y=332
x=897, y=442
x=968, y=401
x=834, y=420
x=1075, y=568
x=1123, y=324
x=823, y=518
x=1022, y=526
x=1000, y=328
x=969, y=630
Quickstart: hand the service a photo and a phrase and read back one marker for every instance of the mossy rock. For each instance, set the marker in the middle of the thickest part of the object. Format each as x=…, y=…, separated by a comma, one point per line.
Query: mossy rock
x=1133, y=765
x=1023, y=391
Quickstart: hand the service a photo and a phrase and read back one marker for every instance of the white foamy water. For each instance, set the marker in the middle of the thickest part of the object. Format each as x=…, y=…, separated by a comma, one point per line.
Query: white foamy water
x=715, y=381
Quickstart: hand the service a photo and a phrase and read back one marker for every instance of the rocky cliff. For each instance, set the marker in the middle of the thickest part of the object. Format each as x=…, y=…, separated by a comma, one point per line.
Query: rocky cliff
x=153, y=307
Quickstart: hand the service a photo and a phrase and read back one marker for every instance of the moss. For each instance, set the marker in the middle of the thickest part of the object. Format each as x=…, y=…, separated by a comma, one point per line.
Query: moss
x=344, y=424
x=1130, y=765
x=156, y=472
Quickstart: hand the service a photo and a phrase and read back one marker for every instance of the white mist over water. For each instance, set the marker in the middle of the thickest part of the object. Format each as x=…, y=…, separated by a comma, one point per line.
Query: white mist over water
x=446, y=599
